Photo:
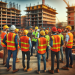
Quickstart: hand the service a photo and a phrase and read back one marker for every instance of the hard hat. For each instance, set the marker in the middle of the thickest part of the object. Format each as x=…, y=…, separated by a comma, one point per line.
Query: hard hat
x=16, y=30
x=12, y=27
x=36, y=27
x=42, y=32
x=46, y=31
x=59, y=30
x=25, y=32
x=69, y=27
x=54, y=29
x=5, y=27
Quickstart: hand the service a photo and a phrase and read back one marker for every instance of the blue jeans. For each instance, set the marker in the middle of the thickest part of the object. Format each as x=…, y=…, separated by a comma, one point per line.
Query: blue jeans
x=47, y=50
x=68, y=54
x=39, y=59
x=33, y=43
x=14, y=58
x=61, y=51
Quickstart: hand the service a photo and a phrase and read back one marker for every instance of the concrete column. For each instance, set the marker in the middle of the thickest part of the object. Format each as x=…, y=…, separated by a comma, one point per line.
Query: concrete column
x=20, y=19
x=30, y=20
x=74, y=18
x=26, y=21
x=15, y=17
x=6, y=16
x=11, y=16
x=1, y=18
x=42, y=17
x=37, y=18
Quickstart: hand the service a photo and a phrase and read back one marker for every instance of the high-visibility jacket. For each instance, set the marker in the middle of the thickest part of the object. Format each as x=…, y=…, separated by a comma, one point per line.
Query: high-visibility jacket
x=70, y=42
x=42, y=45
x=47, y=37
x=2, y=37
x=11, y=41
x=33, y=39
x=24, y=43
x=61, y=36
x=56, y=43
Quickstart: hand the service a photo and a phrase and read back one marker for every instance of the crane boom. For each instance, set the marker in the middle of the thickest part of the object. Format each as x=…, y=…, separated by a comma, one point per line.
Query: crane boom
x=66, y=3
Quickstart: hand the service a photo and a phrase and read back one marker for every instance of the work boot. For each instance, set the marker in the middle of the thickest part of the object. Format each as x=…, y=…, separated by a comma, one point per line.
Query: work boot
x=8, y=68
x=57, y=70
x=71, y=66
x=17, y=61
x=17, y=58
x=24, y=69
x=38, y=72
x=51, y=71
x=65, y=68
x=47, y=60
x=15, y=70
x=44, y=70
x=29, y=69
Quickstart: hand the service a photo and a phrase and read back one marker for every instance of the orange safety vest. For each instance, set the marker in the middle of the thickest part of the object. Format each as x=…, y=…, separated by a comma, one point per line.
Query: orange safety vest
x=70, y=42
x=2, y=37
x=11, y=41
x=24, y=43
x=56, y=43
x=42, y=45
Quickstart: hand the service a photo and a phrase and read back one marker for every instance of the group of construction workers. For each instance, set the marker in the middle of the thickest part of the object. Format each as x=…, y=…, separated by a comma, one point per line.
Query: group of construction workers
x=43, y=43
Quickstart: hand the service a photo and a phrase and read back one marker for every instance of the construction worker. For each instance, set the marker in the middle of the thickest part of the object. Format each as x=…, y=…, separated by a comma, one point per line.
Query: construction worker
x=16, y=32
x=34, y=39
x=47, y=37
x=25, y=48
x=68, y=47
x=12, y=45
x=61, y=48
x=42, y=44
x=56, y=42
x=5, y=29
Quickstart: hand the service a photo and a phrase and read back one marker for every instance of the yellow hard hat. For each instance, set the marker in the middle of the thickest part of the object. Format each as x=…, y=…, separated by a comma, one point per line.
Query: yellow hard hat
x=5, y=27
x=36, y=27
x=69, y=27
x=25, y=32
x=46, y=31
x=16, y=30
x=42, y=32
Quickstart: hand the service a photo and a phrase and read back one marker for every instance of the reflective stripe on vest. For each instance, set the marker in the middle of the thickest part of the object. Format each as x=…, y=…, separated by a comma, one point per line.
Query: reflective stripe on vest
x=11, y=44
x=56, y=43
x=42, y=46
x=33, y=39
x=24, y=43
x=2, y=37
x=61, y=36
x=47, y=37
x=70, y=42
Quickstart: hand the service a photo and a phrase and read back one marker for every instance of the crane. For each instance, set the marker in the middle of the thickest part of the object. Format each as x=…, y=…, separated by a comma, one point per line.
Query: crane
x=66, y=3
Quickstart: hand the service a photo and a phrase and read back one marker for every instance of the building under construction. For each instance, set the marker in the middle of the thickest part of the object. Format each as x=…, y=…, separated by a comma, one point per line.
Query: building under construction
x=9, y=16
x=23, y=21
x=70, y=15
x=41, y=15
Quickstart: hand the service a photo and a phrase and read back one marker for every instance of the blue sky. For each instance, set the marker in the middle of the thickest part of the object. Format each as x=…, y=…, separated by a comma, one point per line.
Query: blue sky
x=60, y=6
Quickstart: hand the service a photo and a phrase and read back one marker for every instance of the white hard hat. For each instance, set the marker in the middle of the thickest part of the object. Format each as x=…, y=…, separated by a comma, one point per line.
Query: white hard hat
x=12, y=27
